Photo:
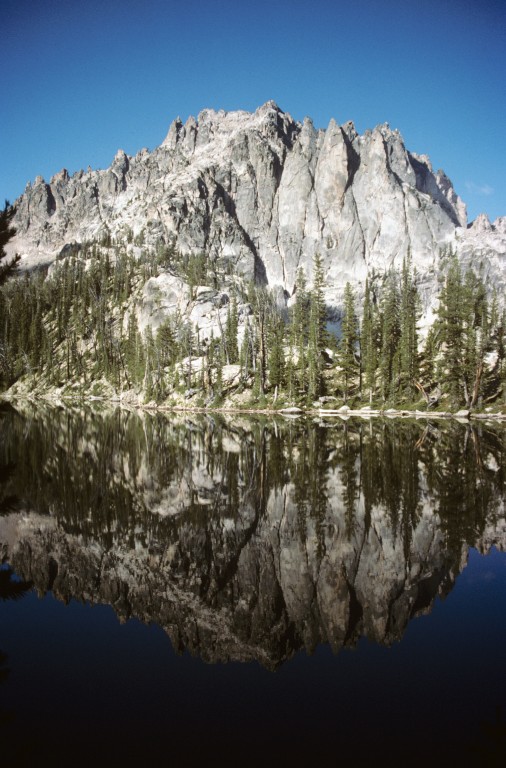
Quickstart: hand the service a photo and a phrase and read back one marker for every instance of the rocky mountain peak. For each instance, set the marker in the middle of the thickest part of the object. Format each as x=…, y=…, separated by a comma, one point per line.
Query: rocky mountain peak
x=481, y=224
x=61, y=176
x=500, y=225
x=269, y=106
x=263, y=193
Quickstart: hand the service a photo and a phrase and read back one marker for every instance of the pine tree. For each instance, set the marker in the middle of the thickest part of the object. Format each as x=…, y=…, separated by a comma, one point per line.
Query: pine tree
x=427, y=363
x=166, y=343
x=134, y=352
x=451, y=331
x=276, y=355
x=476, y=337
x=299, y=334
x=501, y=354
x=349, y=341
x=261, y=305
x=218, y=382
x=153, y=377
x=390, y=332
x=317, y=332
x=369, y=343
x=231, y=330
x=408, y=342
x=7, y=232
x=188, y=346
x=247, y=356
x=290, y=371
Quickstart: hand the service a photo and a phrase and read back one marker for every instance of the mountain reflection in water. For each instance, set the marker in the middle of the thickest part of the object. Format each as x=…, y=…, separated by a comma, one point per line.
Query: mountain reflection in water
x=250, y=538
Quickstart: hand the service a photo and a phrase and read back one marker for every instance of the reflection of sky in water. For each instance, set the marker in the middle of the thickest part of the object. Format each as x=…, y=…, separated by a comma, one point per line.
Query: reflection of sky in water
x=486, y=568
x=99, y=680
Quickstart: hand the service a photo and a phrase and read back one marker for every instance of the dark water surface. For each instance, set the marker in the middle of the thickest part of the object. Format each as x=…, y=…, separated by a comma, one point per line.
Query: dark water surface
x=198, y=591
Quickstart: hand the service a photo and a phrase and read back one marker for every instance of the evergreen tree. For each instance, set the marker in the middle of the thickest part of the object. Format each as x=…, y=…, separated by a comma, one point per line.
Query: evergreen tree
x=247, y=356
x=134, y=352
x=369, y=343
x=154, y=383
x=349, y=341
x=166, y=343
x=451, y=330
x=262, y=308
x=7, y=232
x=290, y=371
x=188, y=348
x=299, y=335
x=317, y=340
x=231, y=330
x=427, y=363
x=276, y=356
x=408, y=342
x=390, y=332
x=501, y=355
x=218, y=382
x=464, y=334
x=476, y=337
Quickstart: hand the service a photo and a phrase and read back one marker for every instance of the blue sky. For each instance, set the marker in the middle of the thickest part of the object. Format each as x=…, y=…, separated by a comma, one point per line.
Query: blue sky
x=81, y=79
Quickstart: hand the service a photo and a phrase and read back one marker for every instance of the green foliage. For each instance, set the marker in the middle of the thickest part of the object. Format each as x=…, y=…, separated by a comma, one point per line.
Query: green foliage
x=408, y=340
x=276, y=362
x=450, y=331
x=77, y=326
x=466, y=332
x=317, y=340
x=390, y=335
x=297, y=372
x=369, y=342
x=7, y=232
x=232, y=350
x=348, y=343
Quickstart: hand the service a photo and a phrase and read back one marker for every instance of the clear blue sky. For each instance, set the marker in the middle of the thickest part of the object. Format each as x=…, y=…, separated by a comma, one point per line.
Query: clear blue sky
x=82, y=78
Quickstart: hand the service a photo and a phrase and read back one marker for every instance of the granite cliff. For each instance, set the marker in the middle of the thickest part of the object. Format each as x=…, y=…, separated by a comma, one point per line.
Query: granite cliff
x=263, y=193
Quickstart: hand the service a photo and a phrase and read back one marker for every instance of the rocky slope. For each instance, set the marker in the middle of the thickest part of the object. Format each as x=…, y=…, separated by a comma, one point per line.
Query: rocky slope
x=264, y=193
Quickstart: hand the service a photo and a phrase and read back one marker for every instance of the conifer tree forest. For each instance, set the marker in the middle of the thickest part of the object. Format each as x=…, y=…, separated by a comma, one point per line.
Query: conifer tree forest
x=74, y=326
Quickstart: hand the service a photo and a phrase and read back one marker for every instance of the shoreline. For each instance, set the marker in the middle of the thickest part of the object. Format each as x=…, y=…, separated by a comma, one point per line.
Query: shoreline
x=294, y=412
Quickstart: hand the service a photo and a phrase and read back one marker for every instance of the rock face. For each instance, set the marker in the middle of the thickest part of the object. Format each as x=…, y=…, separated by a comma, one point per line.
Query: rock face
x=265, y=193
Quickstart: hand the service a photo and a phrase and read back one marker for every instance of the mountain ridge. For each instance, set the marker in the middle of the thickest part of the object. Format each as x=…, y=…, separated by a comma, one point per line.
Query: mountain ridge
x=265, y=193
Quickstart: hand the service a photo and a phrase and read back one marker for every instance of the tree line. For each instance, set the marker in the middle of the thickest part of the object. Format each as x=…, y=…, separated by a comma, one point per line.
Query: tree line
x=460, y=360
x=76, y=323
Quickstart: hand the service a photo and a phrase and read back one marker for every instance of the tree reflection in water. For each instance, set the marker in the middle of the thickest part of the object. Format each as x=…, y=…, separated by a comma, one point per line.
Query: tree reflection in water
x=12, y=588
x=248, y=538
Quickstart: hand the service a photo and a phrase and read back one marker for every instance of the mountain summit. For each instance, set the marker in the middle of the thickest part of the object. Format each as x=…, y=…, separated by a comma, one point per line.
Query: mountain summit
x=264, y=193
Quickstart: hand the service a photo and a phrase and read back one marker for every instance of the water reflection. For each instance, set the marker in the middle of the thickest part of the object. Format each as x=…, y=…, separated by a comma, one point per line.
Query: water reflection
x=248, y=538
x=11, y=588
x=490, y=749
x=5, y=715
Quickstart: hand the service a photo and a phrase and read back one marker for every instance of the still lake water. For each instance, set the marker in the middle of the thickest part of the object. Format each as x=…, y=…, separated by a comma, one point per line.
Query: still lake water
x=201, y=591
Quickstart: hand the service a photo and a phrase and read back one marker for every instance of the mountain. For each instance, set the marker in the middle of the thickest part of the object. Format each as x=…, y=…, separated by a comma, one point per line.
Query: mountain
x=263, y=193
x=211, y=269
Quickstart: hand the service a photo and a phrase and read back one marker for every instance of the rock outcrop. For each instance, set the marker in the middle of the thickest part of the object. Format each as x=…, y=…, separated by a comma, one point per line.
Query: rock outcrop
x=264, y=193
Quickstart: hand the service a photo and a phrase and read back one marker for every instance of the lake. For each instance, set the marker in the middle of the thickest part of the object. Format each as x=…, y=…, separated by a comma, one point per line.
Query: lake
x=201, y=590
